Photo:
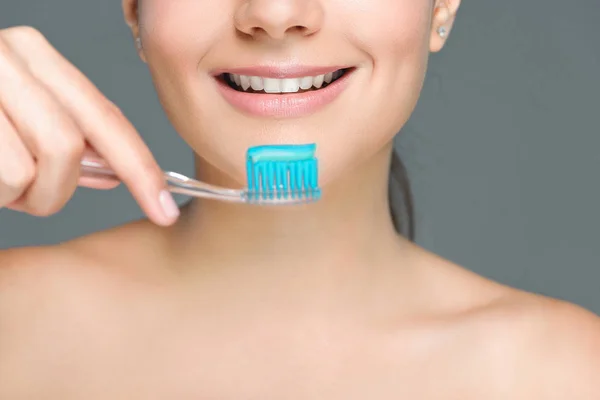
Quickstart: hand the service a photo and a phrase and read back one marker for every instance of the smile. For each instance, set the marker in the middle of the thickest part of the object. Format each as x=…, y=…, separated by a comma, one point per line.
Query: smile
x=282, y=92
x=259, y=84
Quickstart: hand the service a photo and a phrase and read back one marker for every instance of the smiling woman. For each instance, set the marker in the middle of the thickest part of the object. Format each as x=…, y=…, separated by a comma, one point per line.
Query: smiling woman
x=314, y=301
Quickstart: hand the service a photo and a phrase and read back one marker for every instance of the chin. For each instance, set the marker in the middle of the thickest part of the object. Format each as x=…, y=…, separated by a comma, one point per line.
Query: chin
x=222, y=158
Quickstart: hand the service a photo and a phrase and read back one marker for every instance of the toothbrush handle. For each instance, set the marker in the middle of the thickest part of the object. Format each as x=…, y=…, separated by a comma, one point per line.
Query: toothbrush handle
x=176, y=183
x=97, y=169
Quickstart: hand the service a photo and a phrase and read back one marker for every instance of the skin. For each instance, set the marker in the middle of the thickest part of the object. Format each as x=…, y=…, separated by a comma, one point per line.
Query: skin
x=237, y=302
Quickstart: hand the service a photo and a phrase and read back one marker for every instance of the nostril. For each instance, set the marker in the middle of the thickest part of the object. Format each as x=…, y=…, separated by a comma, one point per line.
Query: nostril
x=268, y=19
x=275, y=33
x=303, y=30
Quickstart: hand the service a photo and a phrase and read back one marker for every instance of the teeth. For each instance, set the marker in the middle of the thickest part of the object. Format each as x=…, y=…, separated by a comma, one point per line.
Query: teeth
x=293, y=85
x=290, y=85
x=271, y=85
x=245, y=82
x=318, y=81
x=256, y=83
x=306, y=82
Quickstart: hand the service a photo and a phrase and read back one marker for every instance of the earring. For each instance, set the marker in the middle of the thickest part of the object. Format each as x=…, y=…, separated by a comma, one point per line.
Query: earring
x=138, y=43
x=442, y=31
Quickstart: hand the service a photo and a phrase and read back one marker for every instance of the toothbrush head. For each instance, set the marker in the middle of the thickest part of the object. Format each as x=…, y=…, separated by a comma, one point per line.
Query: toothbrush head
x=283, y=173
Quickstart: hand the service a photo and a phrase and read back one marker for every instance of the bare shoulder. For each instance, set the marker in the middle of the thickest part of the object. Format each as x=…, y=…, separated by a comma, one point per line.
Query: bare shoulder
x=58, y=304
x=39, y=284
x=563, y=347
x=42, y=287
x=53, y=266
x=32, y=272
x=116, y=249
x=42, y=295
x=518, y=342
x=544, y=348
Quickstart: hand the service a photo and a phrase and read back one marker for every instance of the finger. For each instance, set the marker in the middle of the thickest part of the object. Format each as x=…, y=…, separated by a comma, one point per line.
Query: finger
x=49, y=134
x=17, y=168
x=103, y=125
x=94, y=181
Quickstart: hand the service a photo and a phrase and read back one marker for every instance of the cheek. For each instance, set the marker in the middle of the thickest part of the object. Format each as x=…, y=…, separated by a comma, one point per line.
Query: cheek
x=176, y=34
x=387, y=26
x=395, y=35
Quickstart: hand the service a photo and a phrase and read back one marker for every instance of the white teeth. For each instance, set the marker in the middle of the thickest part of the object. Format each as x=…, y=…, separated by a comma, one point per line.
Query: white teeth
x=245, y=82
x=318, y=81
x=272, y=85
x=257, y=83
x=289, y=85
x=306, y=82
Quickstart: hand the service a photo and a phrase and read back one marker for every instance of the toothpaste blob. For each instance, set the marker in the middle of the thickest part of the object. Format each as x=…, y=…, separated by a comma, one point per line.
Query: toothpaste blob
x=282, y=171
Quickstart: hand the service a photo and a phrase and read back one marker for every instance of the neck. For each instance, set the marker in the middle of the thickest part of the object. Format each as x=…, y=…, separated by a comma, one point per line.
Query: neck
x=346, y=234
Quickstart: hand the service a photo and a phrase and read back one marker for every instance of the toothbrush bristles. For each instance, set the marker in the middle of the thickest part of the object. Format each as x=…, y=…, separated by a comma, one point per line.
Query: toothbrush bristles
x=277, y=182
x=282, y=174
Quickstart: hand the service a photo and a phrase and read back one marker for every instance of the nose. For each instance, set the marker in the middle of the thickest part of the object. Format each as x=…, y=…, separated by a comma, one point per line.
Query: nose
x=277, y=19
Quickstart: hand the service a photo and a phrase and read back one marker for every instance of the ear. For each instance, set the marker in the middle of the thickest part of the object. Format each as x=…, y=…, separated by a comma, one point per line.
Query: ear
x=130, y=12
x=444, y=14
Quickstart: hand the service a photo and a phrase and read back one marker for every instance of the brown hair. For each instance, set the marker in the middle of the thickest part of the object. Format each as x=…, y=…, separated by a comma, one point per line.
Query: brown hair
x=402, y=214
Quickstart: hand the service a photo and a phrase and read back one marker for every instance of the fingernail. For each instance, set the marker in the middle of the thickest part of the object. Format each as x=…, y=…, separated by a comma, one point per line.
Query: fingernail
x=170, y=208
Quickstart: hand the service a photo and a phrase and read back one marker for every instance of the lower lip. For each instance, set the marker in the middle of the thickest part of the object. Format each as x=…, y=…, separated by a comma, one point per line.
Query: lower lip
x=287, y=105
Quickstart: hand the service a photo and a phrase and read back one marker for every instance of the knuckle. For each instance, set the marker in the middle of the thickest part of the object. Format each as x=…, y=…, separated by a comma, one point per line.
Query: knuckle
x=67, y=146
x=23, y=32
x=146, y=169
x=149, y=168
x=20, y=40
x=22, y=37
x=18, y=179
x=110, y=109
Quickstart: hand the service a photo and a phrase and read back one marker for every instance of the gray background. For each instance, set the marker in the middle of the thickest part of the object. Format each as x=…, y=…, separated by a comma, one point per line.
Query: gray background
x=502, y=149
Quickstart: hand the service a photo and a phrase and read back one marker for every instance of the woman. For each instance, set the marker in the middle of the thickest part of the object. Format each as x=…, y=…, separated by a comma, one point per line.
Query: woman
x=222, y=301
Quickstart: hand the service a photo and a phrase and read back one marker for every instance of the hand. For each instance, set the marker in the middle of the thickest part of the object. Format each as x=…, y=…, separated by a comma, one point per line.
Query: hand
x=51, y=116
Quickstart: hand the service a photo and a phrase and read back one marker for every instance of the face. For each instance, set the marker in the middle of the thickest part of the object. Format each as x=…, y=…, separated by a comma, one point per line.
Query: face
x=364, y=61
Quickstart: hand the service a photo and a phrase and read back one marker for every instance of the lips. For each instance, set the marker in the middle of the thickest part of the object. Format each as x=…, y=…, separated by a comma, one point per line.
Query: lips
x=280, y=72
x=282, y=92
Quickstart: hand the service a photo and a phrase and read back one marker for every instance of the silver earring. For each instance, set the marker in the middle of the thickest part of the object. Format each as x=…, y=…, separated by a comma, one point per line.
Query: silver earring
x=442, y=31
x=138, y=43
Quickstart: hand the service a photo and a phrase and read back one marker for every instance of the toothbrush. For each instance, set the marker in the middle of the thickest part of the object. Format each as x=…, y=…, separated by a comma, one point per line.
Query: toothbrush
x=276, y=175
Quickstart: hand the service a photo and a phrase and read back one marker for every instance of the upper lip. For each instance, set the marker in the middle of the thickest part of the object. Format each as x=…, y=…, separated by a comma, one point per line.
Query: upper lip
x=280, y=72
